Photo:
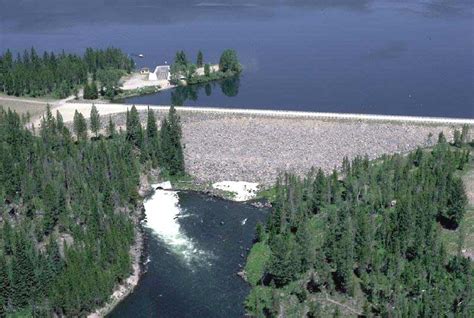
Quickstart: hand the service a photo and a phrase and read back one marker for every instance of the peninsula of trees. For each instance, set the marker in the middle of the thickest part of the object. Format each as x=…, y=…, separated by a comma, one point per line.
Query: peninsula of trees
x=365, y=241
x=62, y=75
x=184, y=70
x=67, y=203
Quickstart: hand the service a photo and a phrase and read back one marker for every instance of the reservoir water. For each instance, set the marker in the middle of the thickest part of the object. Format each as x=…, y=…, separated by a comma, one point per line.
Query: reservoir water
x=404, y=57
x=195, y=244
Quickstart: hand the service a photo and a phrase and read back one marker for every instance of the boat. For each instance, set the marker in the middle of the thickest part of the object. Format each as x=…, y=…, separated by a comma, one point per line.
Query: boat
x=141, y=55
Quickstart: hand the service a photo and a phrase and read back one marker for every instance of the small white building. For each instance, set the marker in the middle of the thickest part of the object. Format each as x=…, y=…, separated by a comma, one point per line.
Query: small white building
x=162, y=72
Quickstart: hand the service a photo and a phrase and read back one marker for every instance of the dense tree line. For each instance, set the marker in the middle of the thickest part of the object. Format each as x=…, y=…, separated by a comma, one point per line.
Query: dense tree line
x=66, y=202
x=183, y=69
x=370, y=233
x=162, y=148
x=172, y=158
x=31, y=74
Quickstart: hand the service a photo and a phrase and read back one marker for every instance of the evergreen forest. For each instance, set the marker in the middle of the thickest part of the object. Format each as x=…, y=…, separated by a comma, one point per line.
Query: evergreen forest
x=366, y=240
x=61, y=75
x=69, y=205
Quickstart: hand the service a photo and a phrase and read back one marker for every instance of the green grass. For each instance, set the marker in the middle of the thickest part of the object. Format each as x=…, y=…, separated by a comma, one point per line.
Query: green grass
x=137, y=92
x=267, y=193
x=228, y=194
x=259, y=297
x=450, y=237
x=316, y=227
x=256, y=261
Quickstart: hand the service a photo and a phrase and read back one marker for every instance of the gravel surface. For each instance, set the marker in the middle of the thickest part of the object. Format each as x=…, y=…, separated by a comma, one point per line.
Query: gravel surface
x=257, y=148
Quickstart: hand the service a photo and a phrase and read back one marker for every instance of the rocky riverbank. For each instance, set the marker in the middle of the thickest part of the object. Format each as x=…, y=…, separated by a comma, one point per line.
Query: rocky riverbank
x=256, y=148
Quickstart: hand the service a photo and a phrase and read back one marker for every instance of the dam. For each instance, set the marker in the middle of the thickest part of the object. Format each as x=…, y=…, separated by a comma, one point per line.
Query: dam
x=223, y=144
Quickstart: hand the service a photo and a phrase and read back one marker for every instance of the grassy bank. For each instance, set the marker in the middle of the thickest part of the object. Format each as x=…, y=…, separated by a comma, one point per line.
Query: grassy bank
x=464, y=234
x=187, y=183
x=137, y=92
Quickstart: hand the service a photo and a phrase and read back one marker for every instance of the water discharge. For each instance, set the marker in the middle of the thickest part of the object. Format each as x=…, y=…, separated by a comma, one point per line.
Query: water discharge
x=163, y=213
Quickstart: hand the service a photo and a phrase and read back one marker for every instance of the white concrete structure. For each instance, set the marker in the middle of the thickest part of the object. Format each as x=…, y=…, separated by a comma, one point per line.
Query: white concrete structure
x=162, y=72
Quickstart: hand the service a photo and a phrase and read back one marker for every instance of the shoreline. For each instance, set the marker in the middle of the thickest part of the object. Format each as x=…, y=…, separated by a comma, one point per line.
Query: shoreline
x=68, y=106
x=137, y=84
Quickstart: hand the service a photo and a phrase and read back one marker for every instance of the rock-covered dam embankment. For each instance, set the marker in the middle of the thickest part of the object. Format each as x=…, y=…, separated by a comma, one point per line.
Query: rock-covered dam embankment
x=250, y=147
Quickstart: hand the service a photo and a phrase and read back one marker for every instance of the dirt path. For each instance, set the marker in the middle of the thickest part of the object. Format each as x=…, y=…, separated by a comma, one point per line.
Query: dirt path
x=34, y=106
x=24, y=100
x=355, y=312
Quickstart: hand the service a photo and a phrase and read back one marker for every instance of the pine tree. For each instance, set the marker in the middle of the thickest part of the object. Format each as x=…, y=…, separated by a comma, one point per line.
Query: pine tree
x=134, y=128
x=441, y=138
x=319, y=191
x=152, y=138
x=343, y=252
x=48, y=126
x=171, y=147
x=207, y=71
x=87, y=94
x=111, y=127
x=80, y=126
x=7, y=237
x=2, y=307
x=229, y=61
x=50, y=201
x=54, y=255
x=95, y=120
x=59, y=122
x=199, y=60
x=90, y=90
x=24, y=281
x=94, y=91
x=457, y=201
x=4, y=282
x=151, y=128
x=457, y=139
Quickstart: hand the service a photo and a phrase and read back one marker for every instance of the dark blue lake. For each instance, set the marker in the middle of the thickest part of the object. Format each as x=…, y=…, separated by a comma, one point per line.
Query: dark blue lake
x=386, y=57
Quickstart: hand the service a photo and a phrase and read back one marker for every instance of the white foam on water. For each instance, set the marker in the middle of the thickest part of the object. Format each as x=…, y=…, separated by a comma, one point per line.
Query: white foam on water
x=162, y=212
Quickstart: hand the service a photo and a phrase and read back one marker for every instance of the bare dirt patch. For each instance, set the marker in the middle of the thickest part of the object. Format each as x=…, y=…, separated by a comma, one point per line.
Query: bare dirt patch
x=137, y=80
x=24, y=105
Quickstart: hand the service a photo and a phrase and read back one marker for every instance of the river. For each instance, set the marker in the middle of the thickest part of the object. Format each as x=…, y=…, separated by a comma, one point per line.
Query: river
x=401, y=57
x=195, y=246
